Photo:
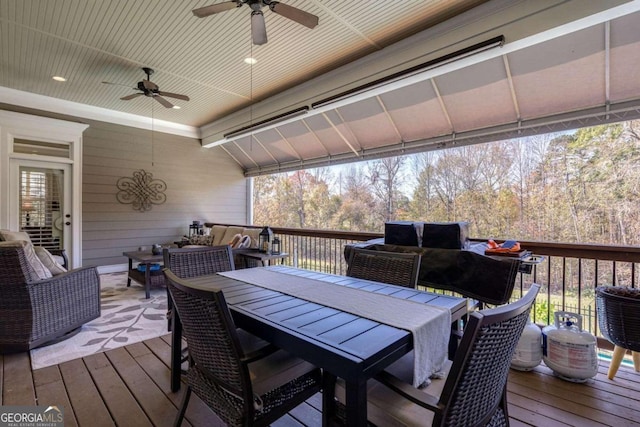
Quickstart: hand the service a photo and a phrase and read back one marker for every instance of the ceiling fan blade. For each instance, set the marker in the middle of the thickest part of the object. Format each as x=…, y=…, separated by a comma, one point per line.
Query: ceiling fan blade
x=295, y=14
x=163, y=101
x=129, y=97
x=203, y=12
x=173, y=95
x=258, y=28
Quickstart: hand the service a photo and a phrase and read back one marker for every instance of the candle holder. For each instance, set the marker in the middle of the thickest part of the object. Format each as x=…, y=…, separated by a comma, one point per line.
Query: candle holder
x=264, y=240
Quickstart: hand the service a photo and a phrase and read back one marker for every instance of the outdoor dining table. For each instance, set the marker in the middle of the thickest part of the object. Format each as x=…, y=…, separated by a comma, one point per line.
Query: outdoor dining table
x=344, y=345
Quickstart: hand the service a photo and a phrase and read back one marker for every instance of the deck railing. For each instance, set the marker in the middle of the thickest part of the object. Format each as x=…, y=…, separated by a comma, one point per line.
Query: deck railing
x=568, y=274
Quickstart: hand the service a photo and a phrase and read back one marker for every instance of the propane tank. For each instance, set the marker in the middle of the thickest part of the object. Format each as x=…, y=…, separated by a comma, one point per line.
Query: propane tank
x=528, y=352
x=568, y=350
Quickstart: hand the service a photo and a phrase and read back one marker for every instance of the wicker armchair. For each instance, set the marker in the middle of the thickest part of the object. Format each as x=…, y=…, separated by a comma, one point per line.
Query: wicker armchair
x=243, y=388
x=387, y=267
x=474, y=392
x=618, y=311
x=34, y=311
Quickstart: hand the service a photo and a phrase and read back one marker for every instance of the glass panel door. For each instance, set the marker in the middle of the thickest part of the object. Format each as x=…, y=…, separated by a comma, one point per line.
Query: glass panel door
x=41, y=205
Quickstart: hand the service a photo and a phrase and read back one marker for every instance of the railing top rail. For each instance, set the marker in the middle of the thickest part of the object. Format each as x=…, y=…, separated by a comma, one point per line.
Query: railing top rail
x=329, y=234
x=568, y=250
x=582, y=250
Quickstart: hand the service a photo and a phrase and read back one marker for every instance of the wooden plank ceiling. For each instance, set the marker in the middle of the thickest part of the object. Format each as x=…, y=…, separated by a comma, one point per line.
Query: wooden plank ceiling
x=90, y=41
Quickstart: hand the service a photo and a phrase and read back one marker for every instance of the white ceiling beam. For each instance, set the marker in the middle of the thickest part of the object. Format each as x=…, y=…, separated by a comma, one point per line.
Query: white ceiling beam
x=386, y=113
x=233, y=157
x=442, y=106
x=46, y=103
x=345, y=123
x=512, y=88
x=288, y=143
x=344, y=139
x=265, y=148
x=246, y=154
x=313, y=134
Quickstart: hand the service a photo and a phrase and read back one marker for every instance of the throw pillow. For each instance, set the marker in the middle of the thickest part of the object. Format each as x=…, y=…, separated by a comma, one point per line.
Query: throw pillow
x=34, y=262
x=235, y=241
x=9, y=236
x=48, y=260
x=244, y=242
x=200, y=240
x=254, y=233
x=230, y=233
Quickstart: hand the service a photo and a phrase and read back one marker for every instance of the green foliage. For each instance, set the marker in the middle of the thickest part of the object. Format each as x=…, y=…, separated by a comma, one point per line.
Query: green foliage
x=543, y=312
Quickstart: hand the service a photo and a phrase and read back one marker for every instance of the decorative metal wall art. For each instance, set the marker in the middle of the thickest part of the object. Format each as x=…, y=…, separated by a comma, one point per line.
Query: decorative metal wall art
x=142, y=191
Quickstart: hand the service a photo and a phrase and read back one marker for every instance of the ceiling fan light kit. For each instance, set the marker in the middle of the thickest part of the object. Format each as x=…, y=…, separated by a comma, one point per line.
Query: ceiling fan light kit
x=258, y=28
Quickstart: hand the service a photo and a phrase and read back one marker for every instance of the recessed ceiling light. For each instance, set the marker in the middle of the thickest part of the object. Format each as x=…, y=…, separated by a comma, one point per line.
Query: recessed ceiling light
x=59, y=79
x=250, y=60
x=176, y=107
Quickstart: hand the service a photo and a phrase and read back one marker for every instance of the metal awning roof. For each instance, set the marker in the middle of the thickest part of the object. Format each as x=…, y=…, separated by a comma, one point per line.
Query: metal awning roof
x=581, y=76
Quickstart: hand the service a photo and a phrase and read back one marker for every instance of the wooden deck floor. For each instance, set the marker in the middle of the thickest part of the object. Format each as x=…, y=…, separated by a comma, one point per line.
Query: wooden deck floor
x=129, y=386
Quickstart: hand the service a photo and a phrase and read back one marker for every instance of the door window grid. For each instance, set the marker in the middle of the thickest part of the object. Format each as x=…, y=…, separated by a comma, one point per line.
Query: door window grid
x=40, y=201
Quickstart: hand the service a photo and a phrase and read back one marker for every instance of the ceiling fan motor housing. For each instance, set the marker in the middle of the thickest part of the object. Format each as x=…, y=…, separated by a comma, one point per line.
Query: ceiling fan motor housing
x=149, y=88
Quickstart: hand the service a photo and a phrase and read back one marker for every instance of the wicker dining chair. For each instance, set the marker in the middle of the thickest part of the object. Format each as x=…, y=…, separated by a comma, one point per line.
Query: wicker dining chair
x=387, y=267
x=474, y=392
x=243, y=388
x=199, y=261
x=192, y=262
x=618, y=309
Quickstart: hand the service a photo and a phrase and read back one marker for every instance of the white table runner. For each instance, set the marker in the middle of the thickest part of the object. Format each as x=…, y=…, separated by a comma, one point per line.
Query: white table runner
x=430, y=325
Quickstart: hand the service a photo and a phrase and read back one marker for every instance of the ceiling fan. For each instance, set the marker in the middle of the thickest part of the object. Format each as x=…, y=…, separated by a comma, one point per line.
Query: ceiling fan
x=150, y=89
x=258, y=28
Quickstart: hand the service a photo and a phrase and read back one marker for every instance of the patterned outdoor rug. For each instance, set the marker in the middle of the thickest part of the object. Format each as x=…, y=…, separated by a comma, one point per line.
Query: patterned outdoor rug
x=127, y=317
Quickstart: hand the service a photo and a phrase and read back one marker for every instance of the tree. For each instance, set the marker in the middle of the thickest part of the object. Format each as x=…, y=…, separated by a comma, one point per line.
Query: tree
x=421, y=206
x=386, y=177
x=356, y=211
x=572, y=187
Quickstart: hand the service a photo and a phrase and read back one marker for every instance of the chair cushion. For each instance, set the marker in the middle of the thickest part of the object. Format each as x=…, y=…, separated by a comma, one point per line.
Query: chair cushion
x=218, y=231
x=622, y=291
x=276, y=370
x=9, y=236
x=387, y=408
x=49, y=260
x=58, y=259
